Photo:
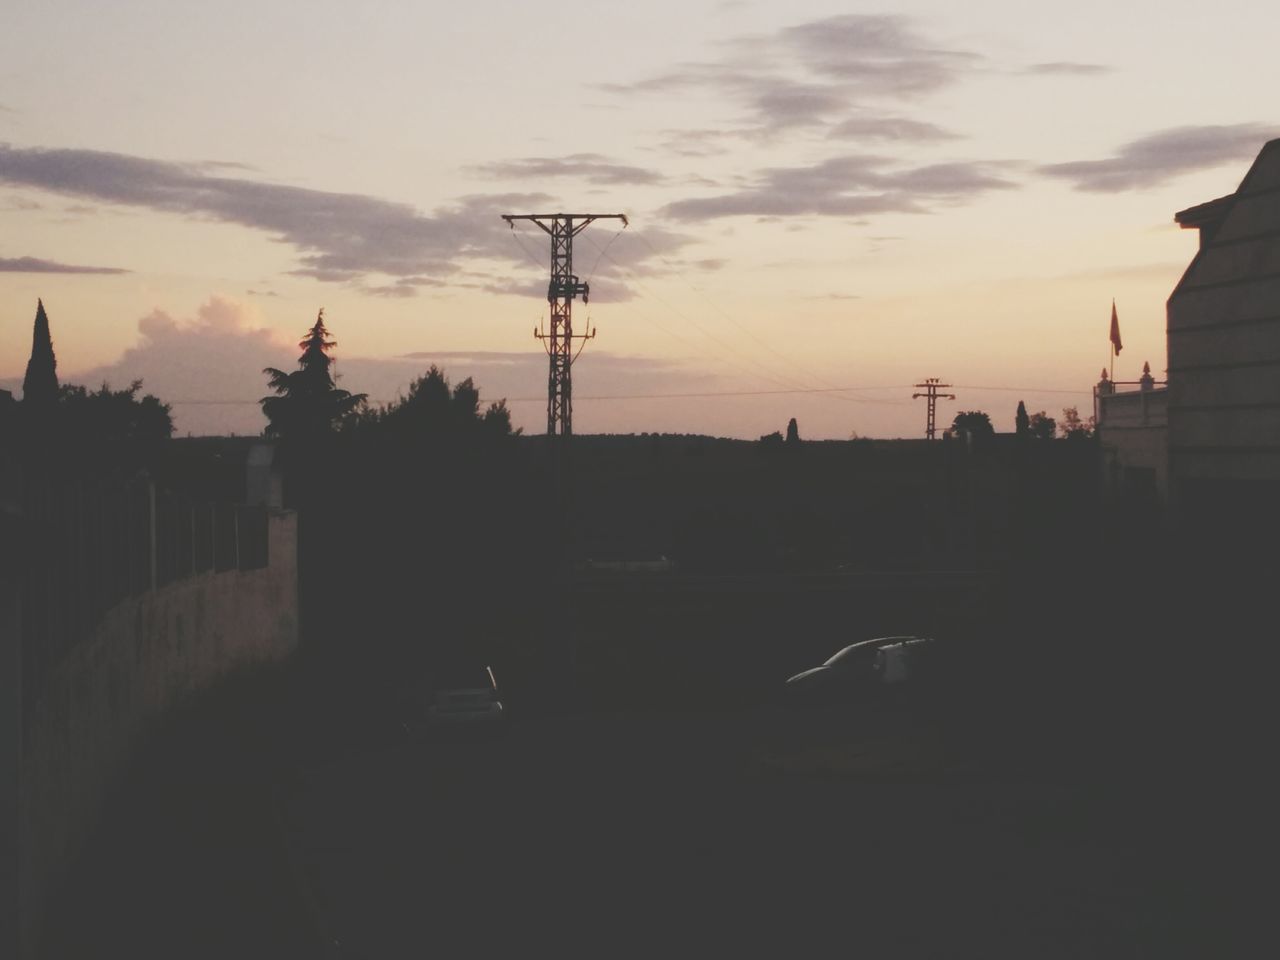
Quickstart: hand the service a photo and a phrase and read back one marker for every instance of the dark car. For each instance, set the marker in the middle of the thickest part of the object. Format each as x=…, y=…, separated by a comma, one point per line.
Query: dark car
x=860, y=666
x=458, y=696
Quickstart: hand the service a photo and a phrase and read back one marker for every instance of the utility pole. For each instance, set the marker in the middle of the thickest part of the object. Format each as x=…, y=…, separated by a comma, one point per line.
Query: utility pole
x=564, y=286
x=931, y=387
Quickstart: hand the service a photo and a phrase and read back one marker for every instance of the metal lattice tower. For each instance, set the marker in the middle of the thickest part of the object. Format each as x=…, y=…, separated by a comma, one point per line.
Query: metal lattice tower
x=564, y=286
x=931, y=387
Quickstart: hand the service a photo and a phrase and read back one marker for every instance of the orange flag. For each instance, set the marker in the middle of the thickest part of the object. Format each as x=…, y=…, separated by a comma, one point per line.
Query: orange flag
x=1115, y=329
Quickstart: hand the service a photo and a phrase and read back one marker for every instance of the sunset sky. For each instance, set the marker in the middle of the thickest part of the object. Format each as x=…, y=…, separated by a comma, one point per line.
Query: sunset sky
x=822, y=195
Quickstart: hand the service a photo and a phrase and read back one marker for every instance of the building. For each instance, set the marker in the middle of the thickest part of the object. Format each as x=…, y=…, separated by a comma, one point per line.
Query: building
x=1224, y=364
x=1207, y=444
x=1133, y=440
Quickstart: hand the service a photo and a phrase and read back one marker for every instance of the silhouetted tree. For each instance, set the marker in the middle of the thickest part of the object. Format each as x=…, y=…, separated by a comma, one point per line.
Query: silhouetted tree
x=1073, y=428
x=772, y=439
x=40, y=385
x=793, y=432
x=8, y=419
x=497, y=419
x=308, y=403
x=431, y=409
x=1043, y=426
x=1021, y=422
x=114, y=416
x=973, y=422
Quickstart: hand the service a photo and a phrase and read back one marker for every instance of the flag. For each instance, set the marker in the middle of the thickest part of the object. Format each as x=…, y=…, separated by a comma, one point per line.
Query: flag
x=1115, y=329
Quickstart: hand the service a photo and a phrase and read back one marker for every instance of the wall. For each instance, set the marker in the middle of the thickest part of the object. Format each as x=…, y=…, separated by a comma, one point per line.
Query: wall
x=1133, y=433
x=145, y=654
x=1224, y=345
x=10, y=702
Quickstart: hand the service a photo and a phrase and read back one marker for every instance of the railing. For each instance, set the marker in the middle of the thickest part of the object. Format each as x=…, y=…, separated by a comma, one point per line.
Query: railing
x=1135, y=408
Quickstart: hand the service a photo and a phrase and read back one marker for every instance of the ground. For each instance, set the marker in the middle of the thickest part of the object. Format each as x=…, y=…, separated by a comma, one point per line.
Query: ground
x=761, y=830
x=1075, y=784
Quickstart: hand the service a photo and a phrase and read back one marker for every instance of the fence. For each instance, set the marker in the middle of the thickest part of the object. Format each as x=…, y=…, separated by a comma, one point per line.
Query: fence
x=88, y=546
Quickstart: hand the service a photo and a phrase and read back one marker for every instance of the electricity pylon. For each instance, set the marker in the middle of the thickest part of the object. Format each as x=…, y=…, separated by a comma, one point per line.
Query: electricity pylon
x=931, y=387
x=564, y=286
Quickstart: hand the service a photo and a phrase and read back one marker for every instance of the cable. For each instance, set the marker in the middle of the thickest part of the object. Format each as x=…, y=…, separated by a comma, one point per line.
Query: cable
x=595, y=265
x=527, y=252
x=699, y=394
x=728, y=346
x=808, y=374
x=789, y=382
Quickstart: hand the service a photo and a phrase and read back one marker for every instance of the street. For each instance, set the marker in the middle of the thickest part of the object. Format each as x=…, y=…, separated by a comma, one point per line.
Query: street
x=758, y=831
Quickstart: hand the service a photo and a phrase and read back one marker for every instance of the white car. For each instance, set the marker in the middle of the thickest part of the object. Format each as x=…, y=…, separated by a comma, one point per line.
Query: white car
x=863, y=665
x=465, y=696
x=898, y=661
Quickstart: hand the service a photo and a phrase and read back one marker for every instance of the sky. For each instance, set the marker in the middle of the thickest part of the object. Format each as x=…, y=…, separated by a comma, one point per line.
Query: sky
x=828, y=202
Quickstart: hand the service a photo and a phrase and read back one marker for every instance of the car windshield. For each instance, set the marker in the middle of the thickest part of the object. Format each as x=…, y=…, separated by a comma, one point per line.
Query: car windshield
x=865, y=647
x=462, y=677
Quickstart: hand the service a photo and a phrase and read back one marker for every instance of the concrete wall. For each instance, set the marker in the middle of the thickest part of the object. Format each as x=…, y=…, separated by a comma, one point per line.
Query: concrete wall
x=10, y=704
x=144, y=655
x=1133, y=434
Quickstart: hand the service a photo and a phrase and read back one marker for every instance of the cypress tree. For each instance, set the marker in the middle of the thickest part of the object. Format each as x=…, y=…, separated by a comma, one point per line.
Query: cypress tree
x=1022, y=422
x=40, y=386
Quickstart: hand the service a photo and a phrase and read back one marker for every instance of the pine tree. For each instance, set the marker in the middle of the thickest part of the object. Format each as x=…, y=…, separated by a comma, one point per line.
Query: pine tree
x=308, y=404
x=40, y=386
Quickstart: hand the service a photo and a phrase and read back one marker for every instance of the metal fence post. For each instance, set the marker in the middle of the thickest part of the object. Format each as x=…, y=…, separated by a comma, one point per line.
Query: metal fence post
x=151, y=511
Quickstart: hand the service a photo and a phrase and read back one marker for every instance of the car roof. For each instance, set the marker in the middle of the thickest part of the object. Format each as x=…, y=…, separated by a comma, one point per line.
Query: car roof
x=451, y=674
x=866, y=644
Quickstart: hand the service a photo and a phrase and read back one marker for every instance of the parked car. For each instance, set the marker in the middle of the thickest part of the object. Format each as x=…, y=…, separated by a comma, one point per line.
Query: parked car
x=862, y=666
x=459, y=696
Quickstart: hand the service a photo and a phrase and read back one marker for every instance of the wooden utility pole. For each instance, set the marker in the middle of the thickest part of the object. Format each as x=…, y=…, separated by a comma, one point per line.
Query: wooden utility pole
x=931, y=387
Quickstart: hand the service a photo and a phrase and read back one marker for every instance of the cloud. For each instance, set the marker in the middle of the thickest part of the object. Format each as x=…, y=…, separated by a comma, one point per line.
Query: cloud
x=781, y=104
x=1067, y=68
x=1161, y=156
x=847, y=186
x=404, y=287
x=37, y=265
x=209, y=367
x=889, y=128
x=877, y=53
x=814, y=73
x=698, y=143
x=201, y=363
x=20, y=204
x=591, y=167
x=339, y=236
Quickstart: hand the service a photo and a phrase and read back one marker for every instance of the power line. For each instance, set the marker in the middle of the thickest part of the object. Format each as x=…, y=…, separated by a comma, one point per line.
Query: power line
x=807, y=375
x=789, y=382
x=1029, y=390
x=728, y=316
x=700, y=394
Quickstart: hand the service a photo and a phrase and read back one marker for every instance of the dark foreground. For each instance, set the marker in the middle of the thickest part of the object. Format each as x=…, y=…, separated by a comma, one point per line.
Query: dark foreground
x=1094, y=796
x=760, y=831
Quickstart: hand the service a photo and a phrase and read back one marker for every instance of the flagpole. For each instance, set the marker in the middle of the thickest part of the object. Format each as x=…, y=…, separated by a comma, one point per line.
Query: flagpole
x=1113, y=339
